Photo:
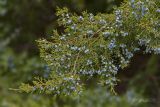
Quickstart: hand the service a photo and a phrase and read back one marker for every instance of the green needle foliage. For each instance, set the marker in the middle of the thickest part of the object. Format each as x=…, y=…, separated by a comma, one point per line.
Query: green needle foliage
x=96, y=46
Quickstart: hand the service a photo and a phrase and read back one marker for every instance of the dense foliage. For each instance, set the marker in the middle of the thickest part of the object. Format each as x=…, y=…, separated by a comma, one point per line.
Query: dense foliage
x=22, y=22
x=97, y=46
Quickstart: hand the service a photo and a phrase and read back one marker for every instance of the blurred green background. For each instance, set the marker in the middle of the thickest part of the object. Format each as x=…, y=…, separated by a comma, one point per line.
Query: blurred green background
x=24, y=21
